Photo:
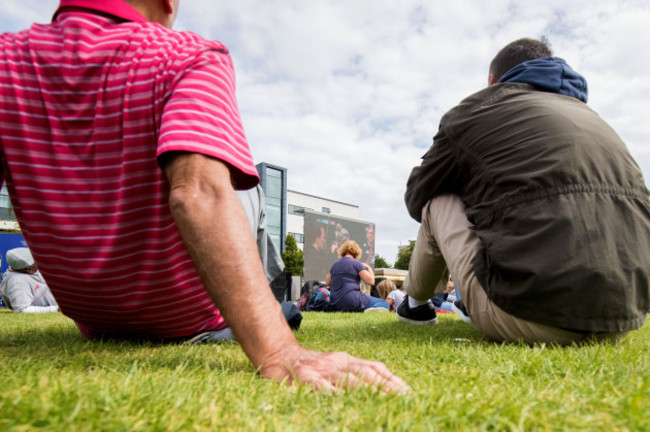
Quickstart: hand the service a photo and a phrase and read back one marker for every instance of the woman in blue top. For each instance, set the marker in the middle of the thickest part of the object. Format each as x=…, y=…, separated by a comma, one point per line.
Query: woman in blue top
x=344, y=279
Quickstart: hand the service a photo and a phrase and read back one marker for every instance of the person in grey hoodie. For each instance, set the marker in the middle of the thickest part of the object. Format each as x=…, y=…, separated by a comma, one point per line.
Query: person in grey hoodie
x=537, y=208
x=23, y=288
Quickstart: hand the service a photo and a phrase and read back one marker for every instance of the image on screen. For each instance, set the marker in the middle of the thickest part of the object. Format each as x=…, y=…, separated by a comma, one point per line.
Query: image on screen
x=324, y=234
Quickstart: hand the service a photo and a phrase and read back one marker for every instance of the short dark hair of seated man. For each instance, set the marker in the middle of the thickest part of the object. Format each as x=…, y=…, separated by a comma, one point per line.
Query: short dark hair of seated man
x=517, y=52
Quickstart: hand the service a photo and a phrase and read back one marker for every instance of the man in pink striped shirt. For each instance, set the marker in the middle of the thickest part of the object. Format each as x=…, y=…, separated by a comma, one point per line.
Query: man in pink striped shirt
x=121, y=147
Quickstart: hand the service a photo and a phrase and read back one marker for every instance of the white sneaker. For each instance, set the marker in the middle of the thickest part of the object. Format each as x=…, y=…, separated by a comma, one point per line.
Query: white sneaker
x=459, y=308
x=376, y=309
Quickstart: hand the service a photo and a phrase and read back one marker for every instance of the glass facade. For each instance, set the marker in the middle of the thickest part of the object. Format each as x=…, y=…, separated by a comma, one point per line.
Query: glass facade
x=296, y=210
x=300, y=238
x=6, y=212
x=273, y=180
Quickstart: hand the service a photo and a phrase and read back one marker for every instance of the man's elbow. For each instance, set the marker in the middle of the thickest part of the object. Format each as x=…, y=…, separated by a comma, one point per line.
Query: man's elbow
x=190, y=200
x=183, y=202
x=177, y=202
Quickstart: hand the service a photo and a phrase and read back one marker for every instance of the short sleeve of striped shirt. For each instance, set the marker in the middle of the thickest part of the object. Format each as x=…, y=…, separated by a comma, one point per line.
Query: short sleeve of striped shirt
x=201, y=116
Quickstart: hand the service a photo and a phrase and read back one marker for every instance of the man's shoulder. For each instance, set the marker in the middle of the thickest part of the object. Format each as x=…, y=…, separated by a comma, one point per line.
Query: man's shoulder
x=491, y=95
x=192, y=40
x=180, y=41
x=12, y=279
x=505, y=99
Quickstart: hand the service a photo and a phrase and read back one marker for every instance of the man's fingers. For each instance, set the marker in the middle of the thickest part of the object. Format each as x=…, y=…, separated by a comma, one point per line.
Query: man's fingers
x=332, y=371
x=322, y=384
x=392, y=380
x=358, y=372
x=362, y=379
x=379, y=377
x=315, y=378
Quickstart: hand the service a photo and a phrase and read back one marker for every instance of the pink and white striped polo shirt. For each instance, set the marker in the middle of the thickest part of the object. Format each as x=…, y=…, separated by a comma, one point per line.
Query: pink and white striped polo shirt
x=87, y=104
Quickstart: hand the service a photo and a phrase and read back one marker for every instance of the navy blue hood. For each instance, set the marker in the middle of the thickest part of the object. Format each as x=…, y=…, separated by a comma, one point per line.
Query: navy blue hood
x=550, y=74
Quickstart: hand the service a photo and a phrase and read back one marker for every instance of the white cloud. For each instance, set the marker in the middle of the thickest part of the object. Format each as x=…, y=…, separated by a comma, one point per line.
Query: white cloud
x=19, y=15
x=368, y=82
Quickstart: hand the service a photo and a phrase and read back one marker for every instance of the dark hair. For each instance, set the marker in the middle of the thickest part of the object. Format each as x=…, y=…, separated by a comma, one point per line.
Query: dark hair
x=310, y=286
x=517, y=52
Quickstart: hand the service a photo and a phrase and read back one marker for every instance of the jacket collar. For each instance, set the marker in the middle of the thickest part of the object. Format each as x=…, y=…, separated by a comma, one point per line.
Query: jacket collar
x=116, y=8
x=550, y=74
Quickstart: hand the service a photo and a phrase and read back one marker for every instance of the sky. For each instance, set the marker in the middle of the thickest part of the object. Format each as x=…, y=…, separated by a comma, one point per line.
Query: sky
x=347, y=94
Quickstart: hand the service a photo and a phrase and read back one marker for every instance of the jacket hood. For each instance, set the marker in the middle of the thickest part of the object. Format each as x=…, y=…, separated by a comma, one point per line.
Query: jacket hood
x=550, y=74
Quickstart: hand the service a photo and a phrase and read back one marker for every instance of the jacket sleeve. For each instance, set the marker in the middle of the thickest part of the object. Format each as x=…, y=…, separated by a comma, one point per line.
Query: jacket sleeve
x=38, y=309
x=438, y=174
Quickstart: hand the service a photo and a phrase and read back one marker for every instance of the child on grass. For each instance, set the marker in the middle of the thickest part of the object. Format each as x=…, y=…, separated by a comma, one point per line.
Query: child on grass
x=389, y=292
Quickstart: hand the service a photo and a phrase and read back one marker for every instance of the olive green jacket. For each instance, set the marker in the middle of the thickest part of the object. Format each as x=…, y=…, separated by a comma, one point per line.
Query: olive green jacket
x=558, y=203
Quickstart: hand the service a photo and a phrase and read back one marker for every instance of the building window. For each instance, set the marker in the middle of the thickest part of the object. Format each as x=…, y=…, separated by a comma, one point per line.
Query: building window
x=273, y=191
x=300, y=238
x=326, y=210
x=296, y=210
x=6, y=211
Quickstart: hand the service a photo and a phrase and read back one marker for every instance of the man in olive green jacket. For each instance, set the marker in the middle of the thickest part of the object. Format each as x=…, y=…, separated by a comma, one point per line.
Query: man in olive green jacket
x=535, y=206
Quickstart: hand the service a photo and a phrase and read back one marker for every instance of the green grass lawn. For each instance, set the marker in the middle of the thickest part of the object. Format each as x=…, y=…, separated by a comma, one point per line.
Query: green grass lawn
x=52, y=379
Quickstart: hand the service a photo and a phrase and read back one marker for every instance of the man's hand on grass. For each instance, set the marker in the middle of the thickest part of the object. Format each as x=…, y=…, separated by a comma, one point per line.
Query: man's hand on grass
x=330, y=371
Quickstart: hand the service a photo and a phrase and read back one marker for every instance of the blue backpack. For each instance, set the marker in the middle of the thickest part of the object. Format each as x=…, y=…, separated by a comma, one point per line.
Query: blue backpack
x=318, y=299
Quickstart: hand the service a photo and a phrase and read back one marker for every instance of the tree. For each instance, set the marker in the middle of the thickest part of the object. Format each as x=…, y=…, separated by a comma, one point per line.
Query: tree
x=292, y=257
x=380, y=262
x=404, y=256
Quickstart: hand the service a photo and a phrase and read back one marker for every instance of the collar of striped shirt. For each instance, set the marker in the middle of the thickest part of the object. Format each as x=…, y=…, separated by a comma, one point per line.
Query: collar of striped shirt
x=117, y=8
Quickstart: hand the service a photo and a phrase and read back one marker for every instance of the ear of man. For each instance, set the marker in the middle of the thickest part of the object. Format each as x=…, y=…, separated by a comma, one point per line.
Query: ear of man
x=168, y=6
x=159, y=11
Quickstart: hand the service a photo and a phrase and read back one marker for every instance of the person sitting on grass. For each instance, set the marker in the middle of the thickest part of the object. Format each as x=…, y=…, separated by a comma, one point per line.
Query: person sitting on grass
x=123, y=145
x=388, y=291
x=344, y=280
x=444, y=301
x=23, y=288
x=535, y=205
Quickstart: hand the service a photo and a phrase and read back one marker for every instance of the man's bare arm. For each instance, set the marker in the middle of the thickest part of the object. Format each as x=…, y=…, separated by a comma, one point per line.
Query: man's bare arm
x=216, y=233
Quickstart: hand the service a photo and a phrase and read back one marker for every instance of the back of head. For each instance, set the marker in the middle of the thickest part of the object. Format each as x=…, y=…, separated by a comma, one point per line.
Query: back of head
x=350, y=247
x=385, y=287
x=517, y=52
x=309, y=286
x=19, y=258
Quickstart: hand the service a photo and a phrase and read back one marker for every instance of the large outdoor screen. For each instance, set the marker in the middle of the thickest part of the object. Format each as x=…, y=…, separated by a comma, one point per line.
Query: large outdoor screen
x=324, y=234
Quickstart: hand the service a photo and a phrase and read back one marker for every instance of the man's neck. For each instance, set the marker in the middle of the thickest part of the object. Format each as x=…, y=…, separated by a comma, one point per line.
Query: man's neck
x=154, y=11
